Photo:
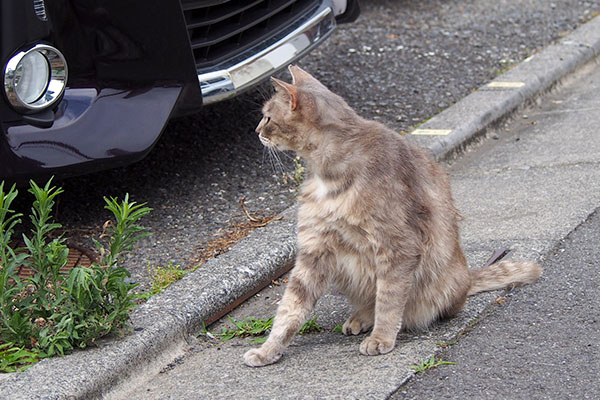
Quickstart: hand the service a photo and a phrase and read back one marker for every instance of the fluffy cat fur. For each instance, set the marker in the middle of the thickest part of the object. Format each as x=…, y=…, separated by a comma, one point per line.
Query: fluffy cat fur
x=376, y=219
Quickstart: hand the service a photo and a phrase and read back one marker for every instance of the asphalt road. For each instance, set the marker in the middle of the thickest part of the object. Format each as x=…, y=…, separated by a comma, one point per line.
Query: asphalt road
x=401, y=62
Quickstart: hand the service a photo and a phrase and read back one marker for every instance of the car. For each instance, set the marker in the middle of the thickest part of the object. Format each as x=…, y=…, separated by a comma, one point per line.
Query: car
x=91, y=84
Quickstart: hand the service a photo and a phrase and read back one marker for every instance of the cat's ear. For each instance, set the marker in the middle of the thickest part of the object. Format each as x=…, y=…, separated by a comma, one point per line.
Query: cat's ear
x=290, y=89
x=299, y=75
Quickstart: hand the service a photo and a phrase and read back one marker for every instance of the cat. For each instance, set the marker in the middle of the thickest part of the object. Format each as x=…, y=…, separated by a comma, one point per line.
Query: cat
x=376, y=219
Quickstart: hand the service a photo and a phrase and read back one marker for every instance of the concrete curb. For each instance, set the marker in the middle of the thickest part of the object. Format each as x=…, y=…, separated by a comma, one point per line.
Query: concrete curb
x=161, y=326
x=455, y=127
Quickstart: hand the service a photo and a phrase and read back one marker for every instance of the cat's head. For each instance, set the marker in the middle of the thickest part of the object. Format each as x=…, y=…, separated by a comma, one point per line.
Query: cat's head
x=294, y=117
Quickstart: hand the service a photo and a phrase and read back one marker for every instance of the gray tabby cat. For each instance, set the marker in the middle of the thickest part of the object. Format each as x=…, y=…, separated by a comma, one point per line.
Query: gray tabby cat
x=376, y=219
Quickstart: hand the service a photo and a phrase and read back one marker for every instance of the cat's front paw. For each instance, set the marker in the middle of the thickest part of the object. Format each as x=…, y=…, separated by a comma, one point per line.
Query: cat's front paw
x=259, y=357
x=373, y=346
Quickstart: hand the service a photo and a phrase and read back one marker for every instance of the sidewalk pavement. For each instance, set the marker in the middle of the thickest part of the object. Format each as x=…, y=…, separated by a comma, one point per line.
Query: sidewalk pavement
x=527, y=196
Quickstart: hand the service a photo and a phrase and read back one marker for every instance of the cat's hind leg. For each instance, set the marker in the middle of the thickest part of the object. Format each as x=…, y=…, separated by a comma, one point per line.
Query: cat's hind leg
x=360, y=321
x=438, y=291
x=356, y=280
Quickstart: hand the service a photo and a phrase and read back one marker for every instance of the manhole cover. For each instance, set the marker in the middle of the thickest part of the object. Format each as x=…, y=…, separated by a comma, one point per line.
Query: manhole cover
x=78, y=257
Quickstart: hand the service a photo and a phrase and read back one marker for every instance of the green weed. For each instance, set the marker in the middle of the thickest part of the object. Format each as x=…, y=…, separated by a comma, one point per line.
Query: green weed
x=429, y=364
x=310, y=326
x=254, y=327
x=13, y=359
x=296, y=177
x=445, y=345
x=247, y=327
x=258, y=340
x=298, y=170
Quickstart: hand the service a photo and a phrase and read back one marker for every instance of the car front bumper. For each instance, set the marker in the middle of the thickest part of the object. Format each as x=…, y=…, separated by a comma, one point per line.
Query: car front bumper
x=225, y=83
x=126, y=80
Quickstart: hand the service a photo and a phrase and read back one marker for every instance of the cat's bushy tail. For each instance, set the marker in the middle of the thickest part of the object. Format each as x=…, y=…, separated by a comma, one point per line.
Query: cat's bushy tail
x=502, y=274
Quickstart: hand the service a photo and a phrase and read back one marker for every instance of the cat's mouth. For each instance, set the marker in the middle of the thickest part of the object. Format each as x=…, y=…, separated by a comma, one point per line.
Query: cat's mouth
x=266, y=142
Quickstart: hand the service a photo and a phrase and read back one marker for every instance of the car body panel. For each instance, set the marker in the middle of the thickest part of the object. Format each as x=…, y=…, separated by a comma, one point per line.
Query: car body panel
x=92, y=130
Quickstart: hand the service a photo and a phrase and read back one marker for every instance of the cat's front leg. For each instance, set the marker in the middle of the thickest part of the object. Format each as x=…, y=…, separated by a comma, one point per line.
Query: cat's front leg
x=308, y=281
x=392, y=285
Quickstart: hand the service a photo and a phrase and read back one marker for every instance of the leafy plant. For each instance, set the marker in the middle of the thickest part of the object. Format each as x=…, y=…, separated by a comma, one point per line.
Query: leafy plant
x=298, y=170
x=13, y=359
x=297, y=176
x=429, y=364
x=125, y=232
x=53, y=311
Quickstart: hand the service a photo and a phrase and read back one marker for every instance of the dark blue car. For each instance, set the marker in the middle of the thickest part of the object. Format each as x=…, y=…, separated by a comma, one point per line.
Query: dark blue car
x=90, y=84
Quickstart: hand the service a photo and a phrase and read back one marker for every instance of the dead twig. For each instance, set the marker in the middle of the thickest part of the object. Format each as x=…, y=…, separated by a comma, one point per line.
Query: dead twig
x=237, y=232
x=259, y=222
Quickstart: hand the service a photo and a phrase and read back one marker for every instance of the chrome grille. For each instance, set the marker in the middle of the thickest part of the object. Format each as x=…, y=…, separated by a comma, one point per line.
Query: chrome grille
x=220, y=30
x=40, y=9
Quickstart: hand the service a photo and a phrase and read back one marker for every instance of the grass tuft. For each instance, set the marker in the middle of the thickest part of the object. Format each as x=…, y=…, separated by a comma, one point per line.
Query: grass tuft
x=162, y=277
x=254, y=327
x=430, y=364
x=310, y=326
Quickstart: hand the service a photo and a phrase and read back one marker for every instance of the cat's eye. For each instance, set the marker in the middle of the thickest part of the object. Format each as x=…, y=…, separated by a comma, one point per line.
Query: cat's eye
x=268, y=119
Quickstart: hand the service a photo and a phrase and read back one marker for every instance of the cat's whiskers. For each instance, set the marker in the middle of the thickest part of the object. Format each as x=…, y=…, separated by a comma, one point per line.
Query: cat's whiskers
x=277, y=165
x=286, y=154
x=274, y=159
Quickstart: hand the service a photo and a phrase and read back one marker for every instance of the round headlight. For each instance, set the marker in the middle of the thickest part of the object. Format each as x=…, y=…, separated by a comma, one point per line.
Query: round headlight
x=31, y=77
x=35, y=79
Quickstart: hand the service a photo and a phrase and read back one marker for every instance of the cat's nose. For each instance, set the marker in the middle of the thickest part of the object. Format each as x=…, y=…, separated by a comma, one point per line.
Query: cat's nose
x=261, y=124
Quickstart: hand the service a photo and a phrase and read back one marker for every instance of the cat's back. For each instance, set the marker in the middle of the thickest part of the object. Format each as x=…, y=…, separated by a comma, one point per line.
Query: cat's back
x=392, y=159
x=369, y=164
x=384, y=177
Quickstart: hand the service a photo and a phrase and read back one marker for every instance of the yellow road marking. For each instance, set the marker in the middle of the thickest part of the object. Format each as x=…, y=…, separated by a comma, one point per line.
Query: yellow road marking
x=431, y=132
x=505, y=84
